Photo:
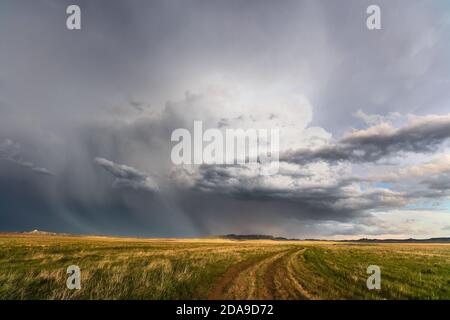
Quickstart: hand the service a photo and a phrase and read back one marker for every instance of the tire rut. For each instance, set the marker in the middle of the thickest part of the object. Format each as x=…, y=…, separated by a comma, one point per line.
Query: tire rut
x=268, y=278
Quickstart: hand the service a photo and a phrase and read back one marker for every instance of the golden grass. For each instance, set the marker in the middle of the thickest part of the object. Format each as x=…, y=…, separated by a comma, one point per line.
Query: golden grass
x=34, y=267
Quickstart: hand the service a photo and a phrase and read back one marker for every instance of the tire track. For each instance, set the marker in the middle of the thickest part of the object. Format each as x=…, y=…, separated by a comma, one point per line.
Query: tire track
x=291, y=274
x=271, y=277
x=221, y=287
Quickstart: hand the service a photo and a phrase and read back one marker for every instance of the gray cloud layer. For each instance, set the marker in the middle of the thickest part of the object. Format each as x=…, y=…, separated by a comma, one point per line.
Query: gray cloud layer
x=381, y=141
x=117, y=89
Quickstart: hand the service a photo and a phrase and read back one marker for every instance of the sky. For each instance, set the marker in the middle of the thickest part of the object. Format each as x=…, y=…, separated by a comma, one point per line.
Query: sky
x=86, y=117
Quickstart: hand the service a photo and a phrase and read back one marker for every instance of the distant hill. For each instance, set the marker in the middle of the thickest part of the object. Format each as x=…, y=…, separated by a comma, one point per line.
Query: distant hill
x=363, y=240
x=233, y=236
x=410, y=240
x=252, y=237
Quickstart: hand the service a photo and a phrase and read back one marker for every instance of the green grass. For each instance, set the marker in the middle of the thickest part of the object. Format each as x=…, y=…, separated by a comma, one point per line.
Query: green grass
x=408, y=271
x=34, y=267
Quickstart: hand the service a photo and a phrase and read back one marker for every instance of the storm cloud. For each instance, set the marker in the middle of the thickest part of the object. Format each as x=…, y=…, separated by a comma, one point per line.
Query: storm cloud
x=363, y=117
x=421, y=135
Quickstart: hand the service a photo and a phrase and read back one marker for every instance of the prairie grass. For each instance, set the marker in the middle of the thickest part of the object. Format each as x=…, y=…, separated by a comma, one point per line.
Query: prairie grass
x=34, y=267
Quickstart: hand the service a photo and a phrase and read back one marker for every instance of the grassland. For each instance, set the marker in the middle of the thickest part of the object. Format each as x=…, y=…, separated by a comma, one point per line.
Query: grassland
x=34, y=267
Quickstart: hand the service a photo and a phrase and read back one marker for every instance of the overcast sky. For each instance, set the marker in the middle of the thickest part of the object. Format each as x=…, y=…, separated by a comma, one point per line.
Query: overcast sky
x=86, y=117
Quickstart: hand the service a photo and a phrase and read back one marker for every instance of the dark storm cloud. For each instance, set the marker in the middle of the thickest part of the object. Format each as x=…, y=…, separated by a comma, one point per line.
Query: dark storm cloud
x=323, y=201
x=379, y=142
x=65, y=96
x=343, y=201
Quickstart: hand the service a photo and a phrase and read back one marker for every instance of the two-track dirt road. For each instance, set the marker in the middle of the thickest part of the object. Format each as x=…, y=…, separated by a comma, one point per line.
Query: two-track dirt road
x=270, y=277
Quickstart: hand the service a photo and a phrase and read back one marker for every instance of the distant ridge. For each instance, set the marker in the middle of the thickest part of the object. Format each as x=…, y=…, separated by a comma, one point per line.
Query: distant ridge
x=363, y=240
x=410, y=240
x=233, y=236
x=252, y=237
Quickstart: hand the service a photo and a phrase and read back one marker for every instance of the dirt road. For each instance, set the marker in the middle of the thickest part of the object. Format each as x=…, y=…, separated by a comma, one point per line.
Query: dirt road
x=271, y=277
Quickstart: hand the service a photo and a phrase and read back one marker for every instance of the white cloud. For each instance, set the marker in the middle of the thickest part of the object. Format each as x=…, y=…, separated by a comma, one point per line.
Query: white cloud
x=127, y=177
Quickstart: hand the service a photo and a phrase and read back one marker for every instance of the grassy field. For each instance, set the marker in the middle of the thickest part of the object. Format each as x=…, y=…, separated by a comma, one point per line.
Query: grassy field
x=34, y=267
